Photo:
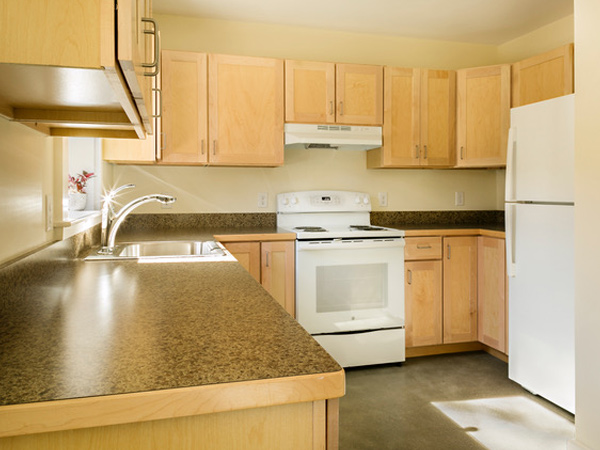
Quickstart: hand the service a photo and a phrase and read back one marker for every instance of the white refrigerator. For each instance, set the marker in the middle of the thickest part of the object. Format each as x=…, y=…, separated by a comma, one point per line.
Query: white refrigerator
x=540, y=249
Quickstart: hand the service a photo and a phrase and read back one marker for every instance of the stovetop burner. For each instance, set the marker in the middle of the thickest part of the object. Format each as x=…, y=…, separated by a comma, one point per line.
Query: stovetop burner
x=366, y=228
x=311, y=229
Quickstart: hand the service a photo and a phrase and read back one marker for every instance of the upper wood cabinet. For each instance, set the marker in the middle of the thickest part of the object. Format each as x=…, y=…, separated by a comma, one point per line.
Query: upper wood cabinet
x=460, y=289
x=492, y=293
x=88, y=57
x=184, y=114
x=319, y=92
x=245, y=111
x=483, y=116
x=419, y=119
x=543, y=77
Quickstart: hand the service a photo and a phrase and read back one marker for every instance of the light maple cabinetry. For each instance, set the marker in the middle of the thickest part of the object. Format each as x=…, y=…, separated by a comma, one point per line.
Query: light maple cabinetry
x=492, y=305
x=90, y=59
x=543, y=76
x=483, y=116
x=318, y=92
x=419, y=119
x=460, y=289
x=423, y=291
x=271, y=263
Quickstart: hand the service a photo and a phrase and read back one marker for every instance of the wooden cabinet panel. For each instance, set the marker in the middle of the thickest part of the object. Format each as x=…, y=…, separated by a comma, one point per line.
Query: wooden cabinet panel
x=248, y=255
x=309, y=92
x=543, y=77
x=460, y=289
x=419, y=119
x=438, y=117
x=278, y=272
x=184, y=108
x=492, y=292
x=423, y=303
x=483, y=116
x=245, y=111
x=359, y=94
x=429, y=247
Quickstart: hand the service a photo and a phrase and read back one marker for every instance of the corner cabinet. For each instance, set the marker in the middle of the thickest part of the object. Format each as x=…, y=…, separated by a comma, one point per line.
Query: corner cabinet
x=271, y=263
x=543, y=76
x=318, y=92
x=91, y=60
x=419, y=119
x=483, y=116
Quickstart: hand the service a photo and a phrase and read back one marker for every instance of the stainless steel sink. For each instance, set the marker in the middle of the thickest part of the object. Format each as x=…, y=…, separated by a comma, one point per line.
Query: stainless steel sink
x=167, y=250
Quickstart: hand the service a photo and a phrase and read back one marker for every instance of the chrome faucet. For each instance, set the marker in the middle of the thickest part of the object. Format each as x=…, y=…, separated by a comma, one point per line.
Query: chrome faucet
x=111, y=221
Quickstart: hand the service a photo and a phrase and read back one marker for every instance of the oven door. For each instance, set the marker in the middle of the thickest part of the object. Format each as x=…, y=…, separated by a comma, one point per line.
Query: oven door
x=350, y=285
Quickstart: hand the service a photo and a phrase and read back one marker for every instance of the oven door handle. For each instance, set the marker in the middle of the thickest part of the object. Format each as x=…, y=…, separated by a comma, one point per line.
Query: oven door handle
x=338, y=244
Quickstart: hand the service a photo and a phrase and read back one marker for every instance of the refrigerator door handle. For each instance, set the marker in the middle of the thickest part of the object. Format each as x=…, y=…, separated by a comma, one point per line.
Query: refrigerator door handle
x=511, y=222
x=511, y=173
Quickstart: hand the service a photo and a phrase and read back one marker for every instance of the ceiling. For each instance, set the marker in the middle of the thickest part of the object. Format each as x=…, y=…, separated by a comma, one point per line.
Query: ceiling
x=476, y=21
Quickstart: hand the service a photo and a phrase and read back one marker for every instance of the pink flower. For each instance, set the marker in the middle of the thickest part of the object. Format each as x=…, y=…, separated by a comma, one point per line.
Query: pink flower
x=79, y=183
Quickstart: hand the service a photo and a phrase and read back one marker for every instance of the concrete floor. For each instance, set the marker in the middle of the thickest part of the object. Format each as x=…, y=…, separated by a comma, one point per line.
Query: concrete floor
x=389, y=406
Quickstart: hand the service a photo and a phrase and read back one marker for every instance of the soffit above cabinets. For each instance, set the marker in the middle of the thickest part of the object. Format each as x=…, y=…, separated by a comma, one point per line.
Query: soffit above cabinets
x=474, y=21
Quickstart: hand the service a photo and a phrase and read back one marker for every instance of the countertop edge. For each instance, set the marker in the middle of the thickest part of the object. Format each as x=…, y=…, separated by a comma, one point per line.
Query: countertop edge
x=455, y=232
x=244, y=237
x=58, y=415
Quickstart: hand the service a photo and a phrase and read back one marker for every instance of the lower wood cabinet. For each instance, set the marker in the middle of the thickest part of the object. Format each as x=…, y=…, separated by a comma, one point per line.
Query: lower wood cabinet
x=455, y=291
x=272, y=264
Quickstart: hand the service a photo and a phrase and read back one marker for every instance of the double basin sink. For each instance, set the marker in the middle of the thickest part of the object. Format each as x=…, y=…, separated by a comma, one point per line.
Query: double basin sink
x=194, y=251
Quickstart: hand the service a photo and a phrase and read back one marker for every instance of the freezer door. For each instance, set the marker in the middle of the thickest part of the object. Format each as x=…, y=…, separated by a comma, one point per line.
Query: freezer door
x=541, y=301
x=540, y=158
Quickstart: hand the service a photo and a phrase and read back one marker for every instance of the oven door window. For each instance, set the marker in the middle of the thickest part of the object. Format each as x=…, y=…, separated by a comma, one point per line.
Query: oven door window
x=351, y=287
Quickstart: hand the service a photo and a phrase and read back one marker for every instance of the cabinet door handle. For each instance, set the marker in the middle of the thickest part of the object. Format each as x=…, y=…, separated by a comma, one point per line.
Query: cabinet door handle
x=202, y=147
x=417, y=152
x=448, y=251
x=409, y=276
x=158, y=93
x=425, y=151
x=421, y=247
x=214, y=147
x=462, y=152
x=331, y=108
x=341, y=108
x=267, y=259
x=155, y=61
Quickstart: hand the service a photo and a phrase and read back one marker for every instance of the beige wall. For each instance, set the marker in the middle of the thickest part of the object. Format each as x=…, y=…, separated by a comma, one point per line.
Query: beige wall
x=587, y=218
x=25, y=178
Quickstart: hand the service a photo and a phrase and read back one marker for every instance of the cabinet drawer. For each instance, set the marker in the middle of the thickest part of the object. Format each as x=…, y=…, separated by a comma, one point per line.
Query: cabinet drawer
x=423, y=248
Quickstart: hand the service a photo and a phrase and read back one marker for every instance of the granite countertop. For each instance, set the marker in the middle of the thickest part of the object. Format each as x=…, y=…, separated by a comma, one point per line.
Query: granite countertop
x=103, y=328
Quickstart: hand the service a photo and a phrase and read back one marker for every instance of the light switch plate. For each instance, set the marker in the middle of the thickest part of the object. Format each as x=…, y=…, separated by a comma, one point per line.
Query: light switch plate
x=48, y=218
x=263, y=199
x=459, y=198
x=382, y=197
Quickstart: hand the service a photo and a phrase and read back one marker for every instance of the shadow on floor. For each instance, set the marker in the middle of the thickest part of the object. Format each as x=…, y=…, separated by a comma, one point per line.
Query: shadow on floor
x=390, y=406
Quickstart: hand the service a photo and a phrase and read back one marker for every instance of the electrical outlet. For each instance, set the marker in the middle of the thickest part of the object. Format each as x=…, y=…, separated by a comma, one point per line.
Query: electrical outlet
x=459, y=198
x=382, y=197
x=263, y=199
x=49, y=224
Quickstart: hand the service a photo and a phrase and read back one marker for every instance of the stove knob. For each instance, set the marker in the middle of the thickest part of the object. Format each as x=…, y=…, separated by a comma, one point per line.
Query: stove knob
x=366, y=200
x=294, y=200
x=286, y=201
x=357, y=199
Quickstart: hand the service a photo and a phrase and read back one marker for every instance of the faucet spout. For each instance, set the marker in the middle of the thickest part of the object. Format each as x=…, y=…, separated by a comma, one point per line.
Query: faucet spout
x=125, y=211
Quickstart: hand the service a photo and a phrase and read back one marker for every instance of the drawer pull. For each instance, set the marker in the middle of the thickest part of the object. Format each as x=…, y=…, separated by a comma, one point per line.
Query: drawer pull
x=409, y=276
x=423, y=247
x=448, y=251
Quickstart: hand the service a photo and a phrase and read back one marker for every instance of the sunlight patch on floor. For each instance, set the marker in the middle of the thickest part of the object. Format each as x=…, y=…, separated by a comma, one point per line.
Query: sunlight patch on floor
x=510, y=423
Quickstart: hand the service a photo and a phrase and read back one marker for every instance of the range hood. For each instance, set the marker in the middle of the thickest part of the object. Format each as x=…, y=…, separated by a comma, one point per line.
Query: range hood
x=337, y=137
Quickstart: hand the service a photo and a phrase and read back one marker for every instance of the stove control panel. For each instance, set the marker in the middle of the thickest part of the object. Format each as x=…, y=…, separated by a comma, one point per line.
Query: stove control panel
x=323, y=201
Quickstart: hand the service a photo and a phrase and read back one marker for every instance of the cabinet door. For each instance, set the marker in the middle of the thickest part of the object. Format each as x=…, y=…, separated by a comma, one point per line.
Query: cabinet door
x=184, y=108
x=460, y=289
x=309, y=92
x=248, y=255
x=423, y=302
x=245, y=111
x=543, y=77
x=359, y=94
x=492, y=292
x=278, y=272
x=438, y=118
x=133, y=50
x=483, y=118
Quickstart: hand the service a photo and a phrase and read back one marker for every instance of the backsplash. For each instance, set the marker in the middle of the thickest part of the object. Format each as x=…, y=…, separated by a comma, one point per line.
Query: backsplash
x=434, y=218
x=137, y=222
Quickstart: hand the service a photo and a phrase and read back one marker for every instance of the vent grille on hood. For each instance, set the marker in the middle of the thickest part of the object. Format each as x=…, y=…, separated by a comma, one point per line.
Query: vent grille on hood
x=337, y=137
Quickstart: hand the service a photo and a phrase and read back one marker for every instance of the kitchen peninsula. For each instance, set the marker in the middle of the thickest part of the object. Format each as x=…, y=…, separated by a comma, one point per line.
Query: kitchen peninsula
x=169, y=355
